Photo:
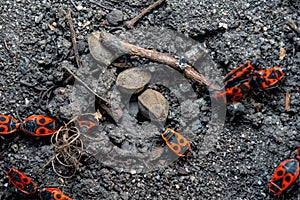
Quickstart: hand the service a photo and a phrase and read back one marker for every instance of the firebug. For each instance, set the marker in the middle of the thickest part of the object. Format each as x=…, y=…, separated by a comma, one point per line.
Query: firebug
x=39, y=125
x=21, y=181
x=176, y=142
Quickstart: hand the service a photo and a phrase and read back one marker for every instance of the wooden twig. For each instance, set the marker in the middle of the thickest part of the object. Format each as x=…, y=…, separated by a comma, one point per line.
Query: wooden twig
x=155, y=56
x=287, y=100
x=100, y=100
x=7, y=48
x=131, y=23
x=73, y=37
x=85, y=85
x=5, y=44
x=100, y=5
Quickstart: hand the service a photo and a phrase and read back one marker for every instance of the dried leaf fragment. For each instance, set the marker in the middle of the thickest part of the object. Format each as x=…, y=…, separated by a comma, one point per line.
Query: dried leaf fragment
x=282, y=53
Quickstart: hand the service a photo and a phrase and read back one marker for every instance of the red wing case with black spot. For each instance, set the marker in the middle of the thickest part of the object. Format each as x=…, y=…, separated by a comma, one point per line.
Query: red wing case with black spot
x=267, y=79
x=8, y=124
x=284, y=176
x=39, y=125
x=240, y=73
x=176, y=142
x=21, y=181
x=53, y=194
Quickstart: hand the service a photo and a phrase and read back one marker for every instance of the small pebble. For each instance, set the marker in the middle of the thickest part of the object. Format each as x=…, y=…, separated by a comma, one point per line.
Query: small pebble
x=115, y=17
x=153, y=105
x=15, y=148
x=133, y=80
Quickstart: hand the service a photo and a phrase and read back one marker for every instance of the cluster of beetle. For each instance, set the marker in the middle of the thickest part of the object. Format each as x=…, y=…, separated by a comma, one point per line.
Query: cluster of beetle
x=40, y=125
x=24, y=184
x=238, y=83
x=246, y=78
x=35, y=125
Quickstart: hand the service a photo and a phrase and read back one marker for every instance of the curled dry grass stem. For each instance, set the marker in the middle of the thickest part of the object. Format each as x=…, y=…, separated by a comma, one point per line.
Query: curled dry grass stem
x=68, y=148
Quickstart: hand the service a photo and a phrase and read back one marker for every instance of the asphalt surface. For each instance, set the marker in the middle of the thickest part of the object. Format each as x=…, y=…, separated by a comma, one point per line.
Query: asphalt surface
x=258, y=132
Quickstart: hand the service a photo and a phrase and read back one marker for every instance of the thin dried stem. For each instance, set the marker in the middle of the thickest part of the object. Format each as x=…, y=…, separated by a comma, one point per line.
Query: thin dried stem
x=73, y=37
x=155, y=56
x=61, y=175
x=100, y=100
x=68, y=146
x=131, y=23
x=7, y=48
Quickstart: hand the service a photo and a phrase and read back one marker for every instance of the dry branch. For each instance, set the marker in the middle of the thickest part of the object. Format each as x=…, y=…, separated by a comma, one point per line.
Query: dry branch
x=131, y=23
x=155, y=56
x=73, y=37
x=100, y=100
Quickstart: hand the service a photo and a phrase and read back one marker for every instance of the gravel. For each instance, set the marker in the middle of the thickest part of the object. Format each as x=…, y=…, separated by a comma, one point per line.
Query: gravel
x=35, y=45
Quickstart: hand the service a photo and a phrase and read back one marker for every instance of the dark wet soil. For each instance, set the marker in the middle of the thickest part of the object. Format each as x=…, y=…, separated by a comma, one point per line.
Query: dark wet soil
x=258, y=133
